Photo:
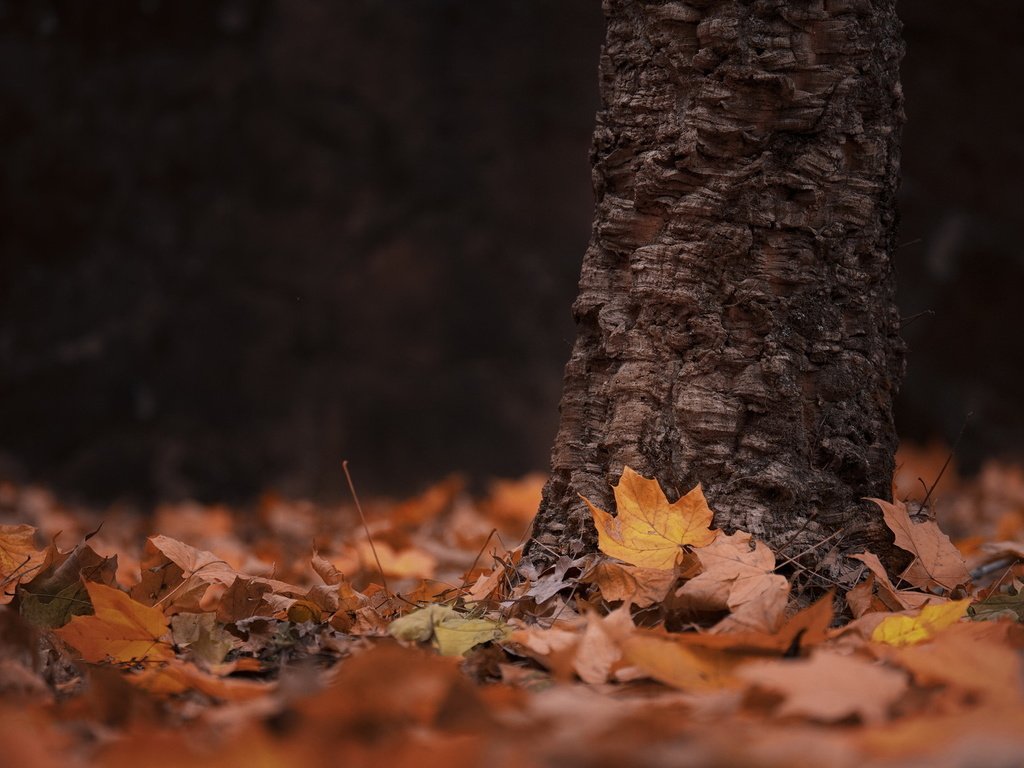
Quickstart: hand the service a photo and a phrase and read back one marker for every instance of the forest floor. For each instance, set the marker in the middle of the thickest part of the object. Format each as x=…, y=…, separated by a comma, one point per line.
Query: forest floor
x=293, y=634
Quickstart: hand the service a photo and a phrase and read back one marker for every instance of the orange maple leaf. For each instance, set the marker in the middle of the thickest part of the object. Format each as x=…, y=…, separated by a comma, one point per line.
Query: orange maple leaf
x=121, y=630
x=647, y=530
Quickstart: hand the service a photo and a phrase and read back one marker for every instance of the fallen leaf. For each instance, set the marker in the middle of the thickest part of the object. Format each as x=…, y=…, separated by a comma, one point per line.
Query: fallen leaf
x=201, y=634
x=647, y=530
x=176, y=676
x=908, y=630
x=452, y=633
x=19, y=558
x=828, y=687
x=455, y=636
x=890, y=598
x=243, y=599
x=997, y=606
x=641, y=587
x=121, y=629
x=966, y=660
x=738, y=576
x=57, y=592
x=599, y=649
x=407, y=563
x=937, y=562
x=175, y=574
x=326, y=570
x=485, y=586
x=682, y=666
x=550, y=584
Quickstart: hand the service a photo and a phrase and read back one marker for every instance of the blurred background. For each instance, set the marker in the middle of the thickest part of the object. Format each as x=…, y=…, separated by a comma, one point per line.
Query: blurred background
x=243, y=239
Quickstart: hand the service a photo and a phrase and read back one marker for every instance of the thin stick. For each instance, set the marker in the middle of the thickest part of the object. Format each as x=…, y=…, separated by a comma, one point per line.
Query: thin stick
x=810, y=518
x=369, y=538
x=465, y=580
x=905, y=321
x=949, y=458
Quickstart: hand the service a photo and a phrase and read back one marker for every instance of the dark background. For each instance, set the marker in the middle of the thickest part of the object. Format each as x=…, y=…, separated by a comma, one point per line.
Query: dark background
x=242, y=239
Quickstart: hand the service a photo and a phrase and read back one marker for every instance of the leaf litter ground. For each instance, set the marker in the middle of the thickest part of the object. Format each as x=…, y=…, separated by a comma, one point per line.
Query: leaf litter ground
x=206, y=636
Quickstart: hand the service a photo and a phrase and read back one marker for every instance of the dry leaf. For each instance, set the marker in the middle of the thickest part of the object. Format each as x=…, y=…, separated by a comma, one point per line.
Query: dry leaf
x=175, y=574
x=485, y=586
x=408, y=563
x=641, y=587
x=683, y=666
x=553, y=647
x=18, y=558
x=966, y=659
x=452, y=633
x=738, y=576
x=121, y=630
x=647, y=530
x=177, y=676
x=937, y=563
x=598, y=651
x=56, y=592
x=908, y=630
x=828, y=686
x=890, y=598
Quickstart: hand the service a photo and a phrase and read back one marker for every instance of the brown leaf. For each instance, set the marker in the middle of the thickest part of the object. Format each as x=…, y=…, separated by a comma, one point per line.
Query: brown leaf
x=641, y=587
x=937, y=563
x=57, y=592
x=243, y=600
x=599, y=651
x=892, y=599
x=177, y=676
x=828, y=686
x=19, y=558
x=965, y=657
x=738, y=576
x=326, y=570
x=680, y=665
x=175, y=574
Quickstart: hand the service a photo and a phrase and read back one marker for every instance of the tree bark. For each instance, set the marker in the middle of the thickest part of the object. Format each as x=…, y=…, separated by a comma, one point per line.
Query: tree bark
x=736, y=323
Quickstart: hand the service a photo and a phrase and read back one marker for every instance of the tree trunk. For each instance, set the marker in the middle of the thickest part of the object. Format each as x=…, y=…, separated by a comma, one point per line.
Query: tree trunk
x=735, y=319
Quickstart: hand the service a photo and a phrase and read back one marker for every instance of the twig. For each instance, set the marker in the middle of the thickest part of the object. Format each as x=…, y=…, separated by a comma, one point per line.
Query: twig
x=810, y=518
x=465, y=580
x=949, y=458
x=369, y=538
x=905, y=321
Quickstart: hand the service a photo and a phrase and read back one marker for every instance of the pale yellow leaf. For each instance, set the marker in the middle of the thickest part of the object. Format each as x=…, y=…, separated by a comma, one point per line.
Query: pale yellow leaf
x=908, y=630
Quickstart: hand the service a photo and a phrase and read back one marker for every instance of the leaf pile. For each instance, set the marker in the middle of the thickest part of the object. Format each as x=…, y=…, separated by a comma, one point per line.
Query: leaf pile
x=202, y=636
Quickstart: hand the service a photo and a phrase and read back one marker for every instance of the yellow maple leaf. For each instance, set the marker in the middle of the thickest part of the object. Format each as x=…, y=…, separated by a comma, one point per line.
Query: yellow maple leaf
x=908, y=630
x=647, y=530
x=121, y=629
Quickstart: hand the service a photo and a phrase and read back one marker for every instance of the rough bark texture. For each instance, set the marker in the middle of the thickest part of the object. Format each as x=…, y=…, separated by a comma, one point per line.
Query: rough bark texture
x=736, y=322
